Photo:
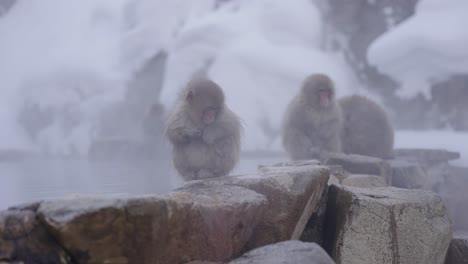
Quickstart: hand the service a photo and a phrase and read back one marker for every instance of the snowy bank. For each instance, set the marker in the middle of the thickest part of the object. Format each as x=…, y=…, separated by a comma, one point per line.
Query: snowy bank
x=259, y=53
x=430, y=46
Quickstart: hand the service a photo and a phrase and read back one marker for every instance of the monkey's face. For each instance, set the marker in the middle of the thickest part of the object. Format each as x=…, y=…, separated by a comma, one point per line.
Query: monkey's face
x=318, y=91
x=206, y=103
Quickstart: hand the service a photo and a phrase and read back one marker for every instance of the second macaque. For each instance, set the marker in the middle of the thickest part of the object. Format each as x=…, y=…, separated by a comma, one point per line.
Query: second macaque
x=313, y=120
x=205, y=134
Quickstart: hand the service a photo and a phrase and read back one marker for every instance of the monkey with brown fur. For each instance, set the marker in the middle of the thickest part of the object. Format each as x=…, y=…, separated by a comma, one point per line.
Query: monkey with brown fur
x=312, y=122
x=205, y=134
x=366, y=128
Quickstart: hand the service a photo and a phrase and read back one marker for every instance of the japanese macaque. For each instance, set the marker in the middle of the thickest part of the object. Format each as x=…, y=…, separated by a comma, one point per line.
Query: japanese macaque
x=366, y=128
x=204, y=132
x=312, y=122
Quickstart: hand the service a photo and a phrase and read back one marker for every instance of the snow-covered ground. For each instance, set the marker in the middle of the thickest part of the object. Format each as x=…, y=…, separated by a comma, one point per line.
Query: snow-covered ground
x=429, y=46
x=75, y=58
x=259, y=51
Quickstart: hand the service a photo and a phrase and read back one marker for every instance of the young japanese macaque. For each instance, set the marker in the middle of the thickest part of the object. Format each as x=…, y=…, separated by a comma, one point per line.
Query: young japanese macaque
x=312, y=122
x=366, y=128
x=205, y=134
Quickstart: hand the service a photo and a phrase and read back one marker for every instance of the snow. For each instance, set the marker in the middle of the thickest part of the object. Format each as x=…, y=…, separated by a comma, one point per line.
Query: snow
x=258, y=60
x=75, y=59
x=428, y=47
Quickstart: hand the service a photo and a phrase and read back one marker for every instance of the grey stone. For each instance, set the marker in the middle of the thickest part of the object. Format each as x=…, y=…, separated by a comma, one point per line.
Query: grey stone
x=364, y=181
x=196, y=223
x=293, y=192
x=287, y=252
x=426, y=156
x=458, y=249
x=386, y=225
x=409, y=175
x=358, y=164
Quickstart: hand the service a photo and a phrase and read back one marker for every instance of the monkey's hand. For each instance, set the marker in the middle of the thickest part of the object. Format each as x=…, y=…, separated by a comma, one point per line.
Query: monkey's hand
x=192, y=132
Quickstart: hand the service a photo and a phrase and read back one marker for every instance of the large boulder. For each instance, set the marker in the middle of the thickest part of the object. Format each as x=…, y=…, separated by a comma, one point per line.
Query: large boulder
x=458, y=250
x=293, y=190
x=386, y=225
x=359, y=164
x=196, y=223
x=287, y=252
x=23, y=239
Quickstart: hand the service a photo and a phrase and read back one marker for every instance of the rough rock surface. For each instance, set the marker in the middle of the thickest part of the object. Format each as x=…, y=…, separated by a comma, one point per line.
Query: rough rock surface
x=386, y=225
x=287, y=252
x=293, y=191
x=358, y=164
x=313, y=231
x=197, y=223
x=458, y=249
x=24, y=240
x=364, y=181
x=409, y=175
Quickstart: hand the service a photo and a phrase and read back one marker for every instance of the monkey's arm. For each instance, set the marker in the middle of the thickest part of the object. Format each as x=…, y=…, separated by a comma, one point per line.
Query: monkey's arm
x=225, y=154
x=180, y=131
x=298, y=144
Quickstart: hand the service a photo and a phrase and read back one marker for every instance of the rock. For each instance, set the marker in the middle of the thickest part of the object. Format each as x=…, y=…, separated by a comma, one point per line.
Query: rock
x=454, y=193
x=338, y=172
x=24, y=240
x=364, y=181
x=409, y=175
x=358, y=164
x=293, y=252
x=313, y=231
x=293, y=191
x=458, y=249
x=333, y=180
x=426, y=156
x=386, y=225
x=196, y=223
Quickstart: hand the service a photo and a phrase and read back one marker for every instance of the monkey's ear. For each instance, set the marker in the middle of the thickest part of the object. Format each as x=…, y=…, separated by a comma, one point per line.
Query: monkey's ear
x=189, y=96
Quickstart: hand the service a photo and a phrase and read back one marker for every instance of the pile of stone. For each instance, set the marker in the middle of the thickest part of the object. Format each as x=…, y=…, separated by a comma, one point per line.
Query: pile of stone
x=285, y=213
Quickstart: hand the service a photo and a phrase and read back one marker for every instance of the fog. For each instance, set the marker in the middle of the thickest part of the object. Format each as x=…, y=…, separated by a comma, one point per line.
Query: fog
x=79, y=77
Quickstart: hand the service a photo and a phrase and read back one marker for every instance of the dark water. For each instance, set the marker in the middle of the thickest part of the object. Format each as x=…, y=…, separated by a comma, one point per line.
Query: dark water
x=38, y=179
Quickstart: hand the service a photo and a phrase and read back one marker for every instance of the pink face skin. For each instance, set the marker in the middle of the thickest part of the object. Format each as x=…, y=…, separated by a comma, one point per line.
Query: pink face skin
x=324, y=98
x=209, y=116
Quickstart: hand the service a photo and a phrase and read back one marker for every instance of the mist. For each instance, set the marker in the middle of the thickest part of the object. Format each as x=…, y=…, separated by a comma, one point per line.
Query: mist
x=78, y=79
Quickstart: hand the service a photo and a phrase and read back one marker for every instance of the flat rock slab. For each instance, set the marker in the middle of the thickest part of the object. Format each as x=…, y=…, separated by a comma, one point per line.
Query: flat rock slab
x=386, y=225
x=426, y=156
x=196, y=223
x=409, y=175
x=458, y=250
x=358, y=164
x=293, y=192
x=364, y=181
x=287, y=252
